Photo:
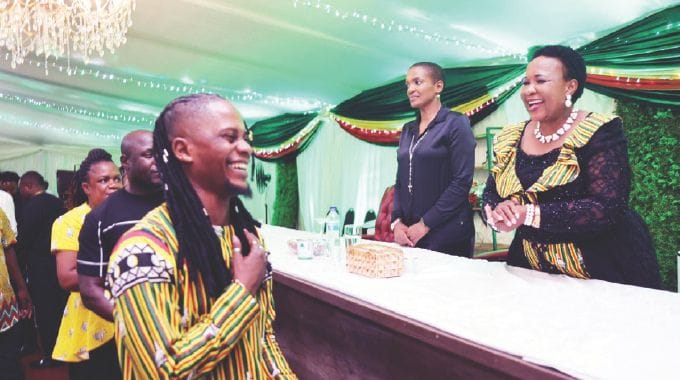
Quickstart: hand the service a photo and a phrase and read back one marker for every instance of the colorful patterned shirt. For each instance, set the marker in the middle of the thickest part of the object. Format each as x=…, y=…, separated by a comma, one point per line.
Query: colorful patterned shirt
x=168, y=327
x=9, y=307
x=81, y=330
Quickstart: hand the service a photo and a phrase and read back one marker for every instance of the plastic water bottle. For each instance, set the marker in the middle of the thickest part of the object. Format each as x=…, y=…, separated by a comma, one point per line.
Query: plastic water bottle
x=332, y=231
x=333, y=222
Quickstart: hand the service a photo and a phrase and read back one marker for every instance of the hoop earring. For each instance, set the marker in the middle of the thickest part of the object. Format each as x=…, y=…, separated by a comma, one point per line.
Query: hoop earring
x=567, y=102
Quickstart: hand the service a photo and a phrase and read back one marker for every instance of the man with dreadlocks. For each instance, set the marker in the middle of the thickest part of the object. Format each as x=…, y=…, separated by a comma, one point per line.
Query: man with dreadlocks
x=191, y=281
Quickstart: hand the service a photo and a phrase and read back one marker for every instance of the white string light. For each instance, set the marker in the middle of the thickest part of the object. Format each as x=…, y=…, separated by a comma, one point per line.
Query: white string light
x=402, y=27
x=50, y=106
x=6, y=120
x=169, y=86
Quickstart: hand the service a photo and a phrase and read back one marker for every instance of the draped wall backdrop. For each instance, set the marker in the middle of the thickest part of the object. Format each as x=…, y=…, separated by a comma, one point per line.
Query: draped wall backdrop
x=639, y=61
x=338, y=169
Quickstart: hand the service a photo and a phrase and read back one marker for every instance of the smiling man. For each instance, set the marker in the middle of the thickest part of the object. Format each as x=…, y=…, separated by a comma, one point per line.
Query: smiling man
x=191, y=282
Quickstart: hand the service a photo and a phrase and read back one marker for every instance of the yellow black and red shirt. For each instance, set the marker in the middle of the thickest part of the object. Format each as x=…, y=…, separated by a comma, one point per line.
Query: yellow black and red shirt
x=166, y=326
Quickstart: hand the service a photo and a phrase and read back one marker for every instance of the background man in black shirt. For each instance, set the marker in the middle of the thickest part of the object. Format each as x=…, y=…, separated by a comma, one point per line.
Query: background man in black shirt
x=118, y=213
x=39, y=212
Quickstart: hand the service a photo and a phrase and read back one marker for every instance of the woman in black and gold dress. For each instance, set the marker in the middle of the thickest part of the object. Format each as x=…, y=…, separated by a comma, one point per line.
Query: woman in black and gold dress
x=562, y=180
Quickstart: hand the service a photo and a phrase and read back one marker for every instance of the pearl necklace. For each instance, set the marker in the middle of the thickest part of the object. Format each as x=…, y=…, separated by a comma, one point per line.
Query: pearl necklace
x=559, y=133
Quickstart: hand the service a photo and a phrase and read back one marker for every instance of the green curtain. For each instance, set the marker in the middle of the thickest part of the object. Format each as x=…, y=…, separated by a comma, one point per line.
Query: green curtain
x=286, y=203
x=283, y=136
x=463, y=84
x=278, y=129
x=670, y=98
x=650, y=42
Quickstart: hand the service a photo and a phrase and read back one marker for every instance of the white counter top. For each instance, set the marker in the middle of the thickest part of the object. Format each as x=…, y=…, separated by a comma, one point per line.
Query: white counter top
x=585, y=328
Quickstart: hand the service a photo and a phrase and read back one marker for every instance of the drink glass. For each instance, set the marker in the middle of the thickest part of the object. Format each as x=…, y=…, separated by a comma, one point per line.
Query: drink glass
x=304, y=249
x=411, y=265
x=352, y=234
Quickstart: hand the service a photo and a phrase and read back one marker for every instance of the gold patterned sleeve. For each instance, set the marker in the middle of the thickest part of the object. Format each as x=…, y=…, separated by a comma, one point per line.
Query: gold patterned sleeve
x=276, y=362
x=149, y=324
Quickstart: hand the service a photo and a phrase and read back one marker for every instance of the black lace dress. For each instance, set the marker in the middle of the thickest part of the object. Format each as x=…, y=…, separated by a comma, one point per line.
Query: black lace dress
x=585, y=222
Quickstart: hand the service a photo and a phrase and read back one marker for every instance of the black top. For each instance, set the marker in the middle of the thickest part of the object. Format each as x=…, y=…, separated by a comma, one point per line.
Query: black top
x=105, y=224
x=441, y=177
x=18, y=209
x=35, y=230
x=591, y=211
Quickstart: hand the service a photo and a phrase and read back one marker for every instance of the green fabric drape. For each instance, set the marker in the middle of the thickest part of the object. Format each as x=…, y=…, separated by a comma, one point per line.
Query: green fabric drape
x=283, y=136
x=278, y=129
x=670, y=98
x=650, y=42
x=463, y=84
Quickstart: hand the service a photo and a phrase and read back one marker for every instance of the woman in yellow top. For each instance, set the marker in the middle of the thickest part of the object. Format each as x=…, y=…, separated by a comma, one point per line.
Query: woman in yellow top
x=84, y=339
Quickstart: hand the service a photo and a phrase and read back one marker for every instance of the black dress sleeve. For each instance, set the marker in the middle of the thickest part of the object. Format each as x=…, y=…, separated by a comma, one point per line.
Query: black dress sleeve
x=490, y=196
x=605, y=166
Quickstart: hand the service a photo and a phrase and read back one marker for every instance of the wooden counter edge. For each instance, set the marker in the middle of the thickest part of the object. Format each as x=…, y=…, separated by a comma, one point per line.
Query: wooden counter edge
x=483, y=355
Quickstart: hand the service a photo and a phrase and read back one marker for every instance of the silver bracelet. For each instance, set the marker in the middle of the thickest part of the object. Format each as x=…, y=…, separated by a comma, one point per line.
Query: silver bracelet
x=394, y=224
x=529, y=218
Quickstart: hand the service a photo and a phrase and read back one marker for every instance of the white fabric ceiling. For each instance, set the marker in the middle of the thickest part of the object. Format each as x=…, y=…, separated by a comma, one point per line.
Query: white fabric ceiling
x=278, y=56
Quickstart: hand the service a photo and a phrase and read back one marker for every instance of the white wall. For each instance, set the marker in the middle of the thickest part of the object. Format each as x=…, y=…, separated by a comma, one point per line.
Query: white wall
x=19, y=158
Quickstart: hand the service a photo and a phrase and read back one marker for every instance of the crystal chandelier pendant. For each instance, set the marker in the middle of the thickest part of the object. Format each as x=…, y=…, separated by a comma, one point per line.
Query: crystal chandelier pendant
x=61, y=27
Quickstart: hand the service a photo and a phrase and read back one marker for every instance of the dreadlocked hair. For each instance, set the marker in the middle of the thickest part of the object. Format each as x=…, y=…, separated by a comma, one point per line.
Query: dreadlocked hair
x=77, y=195
x=198, y=245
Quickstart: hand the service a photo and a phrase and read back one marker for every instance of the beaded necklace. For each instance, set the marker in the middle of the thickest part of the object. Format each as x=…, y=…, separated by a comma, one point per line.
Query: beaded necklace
x=559, y=133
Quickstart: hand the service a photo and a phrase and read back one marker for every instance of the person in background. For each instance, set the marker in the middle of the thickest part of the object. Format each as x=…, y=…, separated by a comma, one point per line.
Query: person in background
x=105, y=224
x=83, y=334
x=191, y=281
x=9, y=182
x=7, y=204
x=435, y=165
x=40, y=211
x=562, y=181
x=12, y=307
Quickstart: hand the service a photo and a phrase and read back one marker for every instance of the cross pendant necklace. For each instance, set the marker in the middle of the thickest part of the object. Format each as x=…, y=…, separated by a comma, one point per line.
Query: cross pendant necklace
x=411, y=149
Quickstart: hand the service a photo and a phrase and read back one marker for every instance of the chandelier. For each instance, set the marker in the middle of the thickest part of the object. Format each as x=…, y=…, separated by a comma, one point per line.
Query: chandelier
x=62, y=27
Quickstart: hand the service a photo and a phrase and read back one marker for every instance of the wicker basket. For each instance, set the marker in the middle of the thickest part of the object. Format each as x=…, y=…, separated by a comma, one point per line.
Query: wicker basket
x=375, y=260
